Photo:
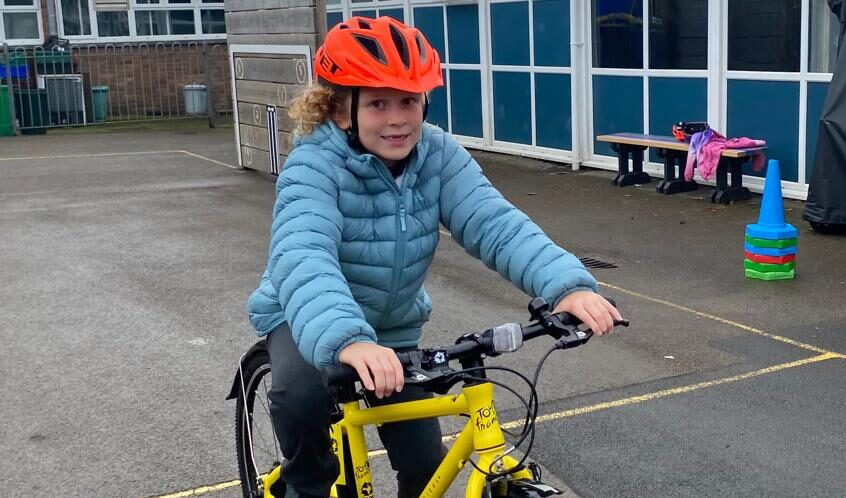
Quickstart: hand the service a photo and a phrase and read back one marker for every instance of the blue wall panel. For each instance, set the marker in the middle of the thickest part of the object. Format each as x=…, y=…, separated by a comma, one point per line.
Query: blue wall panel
x=397, y=14
x=617, y=107
x=510, y=33
x=554, y=122
x=333, y=18
x=768, y=110
x=816, y=99
x=675, y=99
x=463, y=28
x=512, y=107
x=438, y=106
x=552, y=32
x=430, y=21
x=365, y=13
x=466, y=102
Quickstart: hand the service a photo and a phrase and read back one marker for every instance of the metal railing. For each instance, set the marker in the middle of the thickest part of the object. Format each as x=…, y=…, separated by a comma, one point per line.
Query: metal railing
x=81, y=85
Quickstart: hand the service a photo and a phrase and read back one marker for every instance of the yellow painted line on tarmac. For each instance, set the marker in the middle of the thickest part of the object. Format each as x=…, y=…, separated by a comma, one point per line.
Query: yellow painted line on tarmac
x=203, y=490
x=232, y=166
x=104, y=154
x=741, y=326
x=675, y=391
x=582, y=410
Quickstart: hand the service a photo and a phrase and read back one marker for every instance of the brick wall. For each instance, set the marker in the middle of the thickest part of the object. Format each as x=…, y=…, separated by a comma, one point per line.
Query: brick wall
x=147, y=81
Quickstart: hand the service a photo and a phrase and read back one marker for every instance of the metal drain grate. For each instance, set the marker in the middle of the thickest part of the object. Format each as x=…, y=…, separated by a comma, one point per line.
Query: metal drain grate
x=597, y=263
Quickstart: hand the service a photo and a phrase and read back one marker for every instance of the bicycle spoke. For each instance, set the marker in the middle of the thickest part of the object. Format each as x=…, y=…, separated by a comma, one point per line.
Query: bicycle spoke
x=273, y=430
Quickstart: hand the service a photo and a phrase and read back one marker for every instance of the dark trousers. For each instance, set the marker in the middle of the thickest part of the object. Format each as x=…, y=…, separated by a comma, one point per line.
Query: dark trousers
x=300, y=405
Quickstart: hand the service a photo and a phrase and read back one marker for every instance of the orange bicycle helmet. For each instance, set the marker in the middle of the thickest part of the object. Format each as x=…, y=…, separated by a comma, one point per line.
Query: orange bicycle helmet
x=378, y=53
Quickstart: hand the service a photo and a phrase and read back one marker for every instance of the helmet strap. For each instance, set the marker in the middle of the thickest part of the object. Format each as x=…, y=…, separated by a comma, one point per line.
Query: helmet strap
x=352, y=133
x=425, y=105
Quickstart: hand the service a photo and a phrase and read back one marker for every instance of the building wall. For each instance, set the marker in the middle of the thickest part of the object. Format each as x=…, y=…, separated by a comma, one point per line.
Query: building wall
x=287, y=33
x=148, y=81
x=544, y=77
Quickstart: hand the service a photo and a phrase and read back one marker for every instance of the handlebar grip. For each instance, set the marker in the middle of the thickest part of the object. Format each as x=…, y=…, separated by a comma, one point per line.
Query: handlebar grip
x=336, y=375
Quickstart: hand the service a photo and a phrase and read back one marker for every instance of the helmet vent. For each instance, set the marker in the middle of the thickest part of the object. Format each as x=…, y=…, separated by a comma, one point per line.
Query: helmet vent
x=343, y=26
x=420, y=48
x=402, y=46
x=372, y=47
x=364, y=24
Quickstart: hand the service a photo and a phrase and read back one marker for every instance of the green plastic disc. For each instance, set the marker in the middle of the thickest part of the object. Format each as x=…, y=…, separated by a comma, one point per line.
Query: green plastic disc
x=775, y=243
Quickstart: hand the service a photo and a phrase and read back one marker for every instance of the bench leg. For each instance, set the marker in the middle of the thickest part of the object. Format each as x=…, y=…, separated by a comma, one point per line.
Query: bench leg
x=671, y=184
x=624, y=177
x=724, y=194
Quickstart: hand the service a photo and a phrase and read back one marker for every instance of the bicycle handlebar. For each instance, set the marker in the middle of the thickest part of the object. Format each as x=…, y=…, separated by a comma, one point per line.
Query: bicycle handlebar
x=506, y=338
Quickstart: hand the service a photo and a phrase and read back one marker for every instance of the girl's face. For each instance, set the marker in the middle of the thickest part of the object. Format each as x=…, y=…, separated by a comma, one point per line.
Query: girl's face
x=389, y=122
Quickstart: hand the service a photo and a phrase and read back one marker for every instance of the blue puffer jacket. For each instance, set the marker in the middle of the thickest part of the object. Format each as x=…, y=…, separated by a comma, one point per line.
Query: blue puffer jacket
x=350, y=249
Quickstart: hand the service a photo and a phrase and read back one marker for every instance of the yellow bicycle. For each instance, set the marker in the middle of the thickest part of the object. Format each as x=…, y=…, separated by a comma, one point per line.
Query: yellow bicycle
x=495, y=473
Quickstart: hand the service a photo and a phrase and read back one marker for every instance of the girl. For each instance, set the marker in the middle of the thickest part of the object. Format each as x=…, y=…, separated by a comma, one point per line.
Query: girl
x=355, y=227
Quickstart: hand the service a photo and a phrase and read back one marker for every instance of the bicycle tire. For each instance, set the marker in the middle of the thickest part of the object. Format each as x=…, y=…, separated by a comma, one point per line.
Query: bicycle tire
x=248, y=431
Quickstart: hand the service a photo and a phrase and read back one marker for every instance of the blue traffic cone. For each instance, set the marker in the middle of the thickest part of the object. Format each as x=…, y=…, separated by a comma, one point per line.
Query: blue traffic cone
x=771, y=223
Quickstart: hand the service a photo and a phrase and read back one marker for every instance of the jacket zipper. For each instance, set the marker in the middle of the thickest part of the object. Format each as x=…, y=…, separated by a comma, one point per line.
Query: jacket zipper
x=400, y=256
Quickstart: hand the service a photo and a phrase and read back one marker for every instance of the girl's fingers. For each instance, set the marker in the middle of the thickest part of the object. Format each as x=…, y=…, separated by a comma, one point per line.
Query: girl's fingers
x=614, y=311
x=604, y=323
x=364, y=375
x=378, y=374
x=399, y=373
x=586, y=317
x=387, y=374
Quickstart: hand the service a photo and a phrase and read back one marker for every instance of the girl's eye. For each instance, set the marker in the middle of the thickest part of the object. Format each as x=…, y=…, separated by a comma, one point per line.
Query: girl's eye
x=378, y=104
x=410, y=101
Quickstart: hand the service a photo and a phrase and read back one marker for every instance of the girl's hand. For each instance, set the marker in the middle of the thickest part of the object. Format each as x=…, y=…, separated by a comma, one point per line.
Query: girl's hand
x=378, y=367
x=592, y=309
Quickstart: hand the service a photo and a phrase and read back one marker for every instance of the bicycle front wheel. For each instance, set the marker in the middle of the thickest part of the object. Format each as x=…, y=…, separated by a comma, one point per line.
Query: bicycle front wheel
x=255, y=439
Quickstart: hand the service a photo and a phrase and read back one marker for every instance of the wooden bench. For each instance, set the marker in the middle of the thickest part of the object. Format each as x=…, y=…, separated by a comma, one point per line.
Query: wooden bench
x=674, y=154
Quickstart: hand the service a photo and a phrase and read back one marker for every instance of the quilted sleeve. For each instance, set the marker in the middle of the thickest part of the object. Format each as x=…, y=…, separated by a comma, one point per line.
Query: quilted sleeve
x=490, y=228
x=303, y=265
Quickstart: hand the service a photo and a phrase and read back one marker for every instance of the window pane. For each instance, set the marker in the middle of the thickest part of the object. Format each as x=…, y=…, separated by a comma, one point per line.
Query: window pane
x=216, y=1
x=182, y=22
x=113, y=23
x=178, y=1
x=678, y=34
x=763, y=35
x=146, y=2
x=21, y=25
x=617, y=33
x=75, y=17
x=151, y=22
x=213, y=21
x=823, y=38
x=20, y=3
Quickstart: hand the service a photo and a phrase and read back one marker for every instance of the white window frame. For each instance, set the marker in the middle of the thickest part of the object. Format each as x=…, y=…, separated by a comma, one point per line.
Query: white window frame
x=197, y=6
x=14, y=9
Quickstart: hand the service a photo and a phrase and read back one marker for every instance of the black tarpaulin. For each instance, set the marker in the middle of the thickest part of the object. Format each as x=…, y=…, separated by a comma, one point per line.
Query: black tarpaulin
x=827, y=188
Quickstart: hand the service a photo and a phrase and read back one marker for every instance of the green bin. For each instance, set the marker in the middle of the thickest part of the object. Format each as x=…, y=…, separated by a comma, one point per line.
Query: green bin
x=100, y=102
x=6, y=128
x=32, y=110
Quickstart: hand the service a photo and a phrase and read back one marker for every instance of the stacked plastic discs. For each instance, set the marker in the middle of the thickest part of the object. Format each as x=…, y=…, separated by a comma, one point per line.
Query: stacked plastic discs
x=771, y=243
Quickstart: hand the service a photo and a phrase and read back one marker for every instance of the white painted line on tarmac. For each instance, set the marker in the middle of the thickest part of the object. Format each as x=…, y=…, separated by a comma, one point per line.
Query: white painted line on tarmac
x=105, y=154
x=232, y=166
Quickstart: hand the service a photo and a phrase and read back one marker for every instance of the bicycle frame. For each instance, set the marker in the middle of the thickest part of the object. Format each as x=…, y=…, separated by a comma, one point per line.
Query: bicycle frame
x=481, y=435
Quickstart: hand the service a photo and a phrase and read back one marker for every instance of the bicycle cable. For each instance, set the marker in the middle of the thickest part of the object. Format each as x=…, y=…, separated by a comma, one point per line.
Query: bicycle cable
x=531, y=406
x=531, y=412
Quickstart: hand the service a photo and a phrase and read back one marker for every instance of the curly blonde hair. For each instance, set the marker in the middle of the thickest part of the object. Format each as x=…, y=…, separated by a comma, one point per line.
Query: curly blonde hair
x=317, y=105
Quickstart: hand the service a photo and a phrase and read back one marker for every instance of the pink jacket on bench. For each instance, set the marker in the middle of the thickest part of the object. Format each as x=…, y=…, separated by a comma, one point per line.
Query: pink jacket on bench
x=707, y=156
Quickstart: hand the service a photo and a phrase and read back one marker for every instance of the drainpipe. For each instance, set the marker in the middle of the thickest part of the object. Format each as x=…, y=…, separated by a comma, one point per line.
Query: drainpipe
x=52, y=23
